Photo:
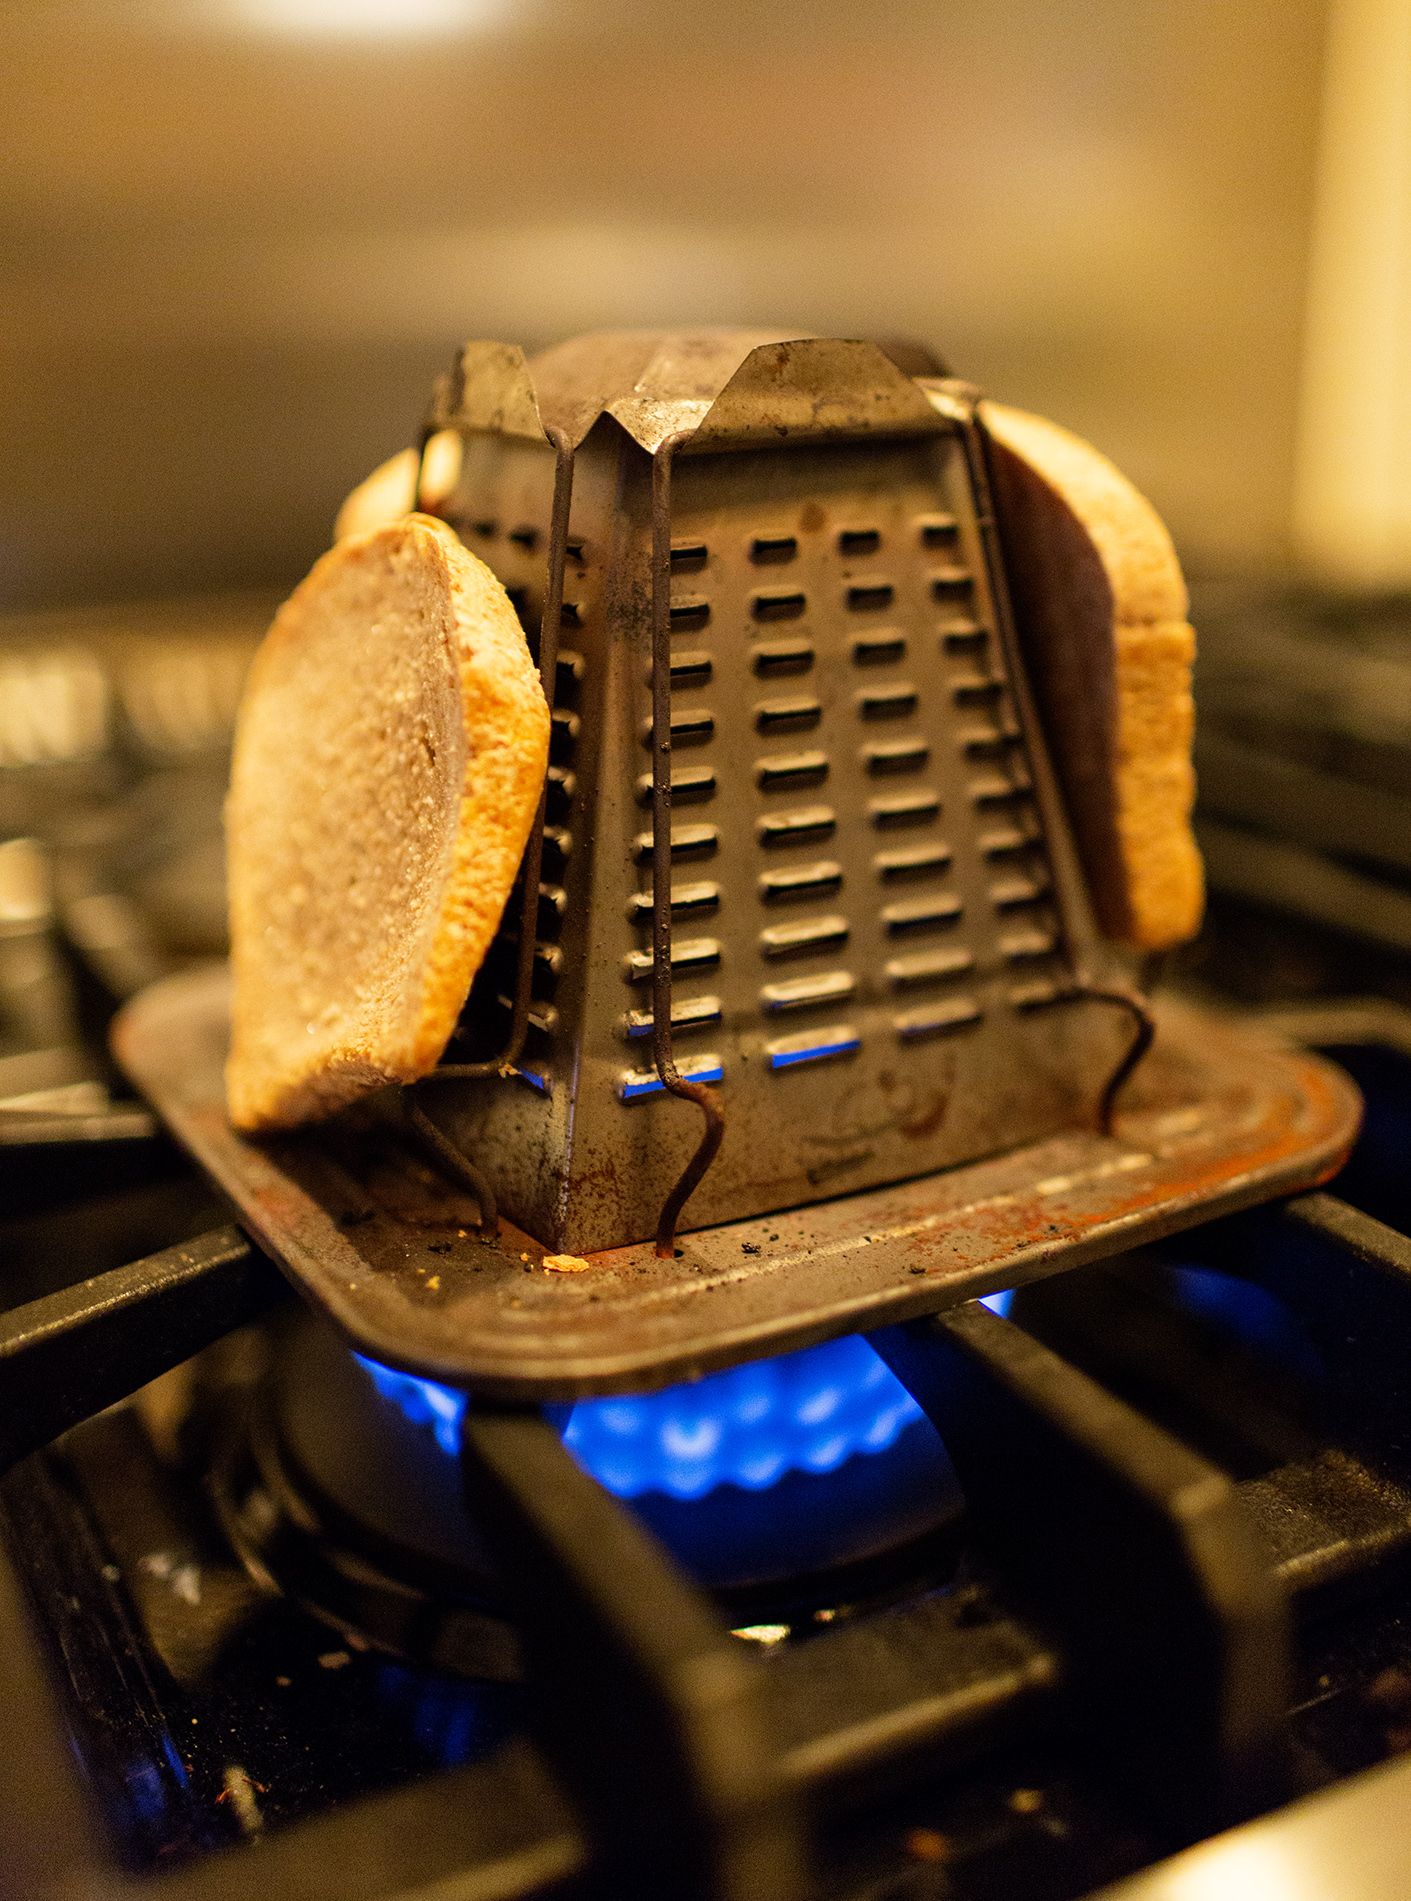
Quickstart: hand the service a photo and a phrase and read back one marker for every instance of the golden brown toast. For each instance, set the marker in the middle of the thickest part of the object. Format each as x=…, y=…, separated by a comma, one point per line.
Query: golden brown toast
x=389, y=757
x=1100, y=604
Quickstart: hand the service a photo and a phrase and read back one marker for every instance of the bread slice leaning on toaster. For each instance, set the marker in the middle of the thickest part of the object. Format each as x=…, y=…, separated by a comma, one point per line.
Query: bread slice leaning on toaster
x=1100, y=607
x=389, y=758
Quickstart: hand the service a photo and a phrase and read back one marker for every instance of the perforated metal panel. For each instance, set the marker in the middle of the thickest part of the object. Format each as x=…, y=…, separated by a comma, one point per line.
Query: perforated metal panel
x=868, y=955
x=884, y=855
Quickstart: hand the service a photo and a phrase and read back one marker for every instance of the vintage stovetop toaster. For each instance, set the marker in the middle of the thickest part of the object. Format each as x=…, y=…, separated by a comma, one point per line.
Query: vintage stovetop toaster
x=877, y=949
x=805, y=926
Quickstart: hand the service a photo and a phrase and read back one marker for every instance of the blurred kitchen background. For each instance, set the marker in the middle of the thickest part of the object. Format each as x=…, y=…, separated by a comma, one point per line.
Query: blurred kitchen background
x=241, y=236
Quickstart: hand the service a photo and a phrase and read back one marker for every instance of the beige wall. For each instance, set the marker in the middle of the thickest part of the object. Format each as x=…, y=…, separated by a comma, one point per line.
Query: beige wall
x=230, y=258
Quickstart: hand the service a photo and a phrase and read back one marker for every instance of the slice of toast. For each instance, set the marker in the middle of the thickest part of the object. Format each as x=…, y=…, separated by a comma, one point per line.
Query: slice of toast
x=1100, y=605
x=389, y=757
x=390, y=491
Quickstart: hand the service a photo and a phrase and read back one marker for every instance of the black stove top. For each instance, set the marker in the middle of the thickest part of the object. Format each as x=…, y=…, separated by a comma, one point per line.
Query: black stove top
x=1045, y=1594
x=1158, y=1583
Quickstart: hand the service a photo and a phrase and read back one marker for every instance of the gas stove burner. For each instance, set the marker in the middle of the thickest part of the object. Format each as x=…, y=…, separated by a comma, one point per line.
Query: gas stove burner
x=783, y=1487
x=324, y=1506
x=747, y=1427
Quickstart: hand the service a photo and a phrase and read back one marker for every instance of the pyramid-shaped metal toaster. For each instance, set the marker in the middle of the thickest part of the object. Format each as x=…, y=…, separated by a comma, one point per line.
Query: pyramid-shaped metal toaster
x=865, y=924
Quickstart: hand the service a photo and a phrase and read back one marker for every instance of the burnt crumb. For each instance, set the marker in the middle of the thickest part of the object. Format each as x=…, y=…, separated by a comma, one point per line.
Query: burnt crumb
x=355, y=1217
x=438, y=1247
x=749, y=1247
x=916, y=1269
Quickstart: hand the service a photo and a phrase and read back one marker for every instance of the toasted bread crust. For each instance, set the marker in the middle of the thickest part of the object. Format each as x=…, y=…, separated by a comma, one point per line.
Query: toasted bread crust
x=389, y=758
x=1101, y=606
x=390, y=491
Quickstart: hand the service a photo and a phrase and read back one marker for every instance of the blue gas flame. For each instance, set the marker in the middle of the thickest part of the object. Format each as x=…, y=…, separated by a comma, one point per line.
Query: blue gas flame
x=805, y=1412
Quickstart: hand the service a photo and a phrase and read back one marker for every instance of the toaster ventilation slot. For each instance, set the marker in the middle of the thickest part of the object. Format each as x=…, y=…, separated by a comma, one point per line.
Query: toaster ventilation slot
x=817, y=1046
x=775, y=658
x=879, y=650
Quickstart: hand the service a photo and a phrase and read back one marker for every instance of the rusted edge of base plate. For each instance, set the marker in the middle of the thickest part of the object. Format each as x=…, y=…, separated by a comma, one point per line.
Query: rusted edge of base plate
x=1215, y=1120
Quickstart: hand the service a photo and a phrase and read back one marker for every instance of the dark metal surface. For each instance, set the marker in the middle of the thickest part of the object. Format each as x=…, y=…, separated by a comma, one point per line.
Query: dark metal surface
x=664, y=1737
x=1214, y=1121
x=1269, y=871
x=488, y=1830
x=25, y=1132
x=879, y=1700
x=349, y=1780
x=1309, y=1434
x=67, y=1354
x=1175, y=1627
x=92, y=1142
x=1341, y=1023
x=1349, y=1275
x=1303, y=756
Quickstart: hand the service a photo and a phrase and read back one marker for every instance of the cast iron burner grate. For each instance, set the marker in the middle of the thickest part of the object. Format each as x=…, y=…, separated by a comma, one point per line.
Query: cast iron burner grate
x=1178, y=1598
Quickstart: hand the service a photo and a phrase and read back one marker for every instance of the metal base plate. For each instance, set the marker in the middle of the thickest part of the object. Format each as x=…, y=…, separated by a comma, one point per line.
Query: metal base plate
x=1216, y=1119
